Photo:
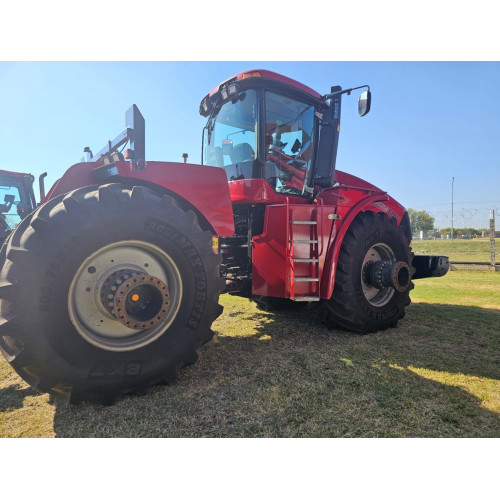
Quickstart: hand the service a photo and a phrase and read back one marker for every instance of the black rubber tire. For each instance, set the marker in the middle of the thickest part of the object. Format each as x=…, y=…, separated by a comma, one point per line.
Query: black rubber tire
x=348, y=307
x=39, y=262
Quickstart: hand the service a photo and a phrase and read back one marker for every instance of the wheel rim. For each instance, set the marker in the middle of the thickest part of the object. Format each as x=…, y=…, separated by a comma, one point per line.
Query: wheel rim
x=375, y=296
x=116, y=278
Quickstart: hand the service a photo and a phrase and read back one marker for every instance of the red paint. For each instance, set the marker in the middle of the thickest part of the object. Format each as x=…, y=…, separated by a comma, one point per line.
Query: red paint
x=205, y=188
x=258, y=191
x=273, y=254
x=269, y=255
x=13, y=174
x=272, y=262
x=272, y=76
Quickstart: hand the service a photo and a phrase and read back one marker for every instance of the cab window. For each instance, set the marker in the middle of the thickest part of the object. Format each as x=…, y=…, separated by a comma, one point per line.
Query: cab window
x=289, y=140
x=11, y=207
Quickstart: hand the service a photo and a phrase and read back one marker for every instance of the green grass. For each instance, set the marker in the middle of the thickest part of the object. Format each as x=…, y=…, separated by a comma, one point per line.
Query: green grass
x=285, y=375
x=458, y=250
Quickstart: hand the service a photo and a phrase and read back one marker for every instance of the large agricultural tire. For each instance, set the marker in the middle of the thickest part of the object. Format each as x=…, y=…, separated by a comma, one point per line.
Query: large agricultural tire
x=75, y=262
x=357, y=305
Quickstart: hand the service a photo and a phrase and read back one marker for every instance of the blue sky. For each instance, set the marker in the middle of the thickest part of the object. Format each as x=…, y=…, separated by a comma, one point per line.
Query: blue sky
x=430, y=121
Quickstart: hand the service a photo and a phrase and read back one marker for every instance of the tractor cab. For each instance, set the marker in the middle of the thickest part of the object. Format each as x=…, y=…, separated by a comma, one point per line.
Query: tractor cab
x=273, y=136
x=277, y=141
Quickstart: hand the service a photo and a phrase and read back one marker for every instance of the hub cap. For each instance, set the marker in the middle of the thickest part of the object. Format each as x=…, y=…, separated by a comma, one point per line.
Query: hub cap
x=125, y=295
x=137, y=300
x=377, y=297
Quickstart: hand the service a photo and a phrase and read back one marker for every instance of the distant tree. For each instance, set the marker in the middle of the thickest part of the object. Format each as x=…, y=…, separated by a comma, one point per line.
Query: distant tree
x=420, y=221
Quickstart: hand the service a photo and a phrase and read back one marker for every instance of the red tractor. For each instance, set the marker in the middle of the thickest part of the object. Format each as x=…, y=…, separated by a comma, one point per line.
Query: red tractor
x=112, y=284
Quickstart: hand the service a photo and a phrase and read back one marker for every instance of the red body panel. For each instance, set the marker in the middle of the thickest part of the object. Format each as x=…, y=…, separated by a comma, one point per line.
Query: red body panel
x=205, y=188
x=272, y=259
x=208, y=191
x=258, y=191
x=13, y=174
x=271, y=250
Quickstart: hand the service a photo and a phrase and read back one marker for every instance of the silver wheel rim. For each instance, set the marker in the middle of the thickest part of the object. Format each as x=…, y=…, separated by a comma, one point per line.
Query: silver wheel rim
x=375, y=296
x=93, y=321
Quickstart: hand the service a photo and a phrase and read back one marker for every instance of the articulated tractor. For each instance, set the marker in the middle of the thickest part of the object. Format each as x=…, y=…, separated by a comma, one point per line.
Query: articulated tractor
x=112, y=283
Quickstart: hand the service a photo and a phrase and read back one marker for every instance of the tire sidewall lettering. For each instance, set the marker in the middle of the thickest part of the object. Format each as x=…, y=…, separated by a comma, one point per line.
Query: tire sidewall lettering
x=195, y=262
x=54, y=284
x=51, y=277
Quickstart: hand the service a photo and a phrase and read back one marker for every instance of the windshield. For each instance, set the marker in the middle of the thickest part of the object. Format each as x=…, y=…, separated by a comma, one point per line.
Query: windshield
x=230, y=138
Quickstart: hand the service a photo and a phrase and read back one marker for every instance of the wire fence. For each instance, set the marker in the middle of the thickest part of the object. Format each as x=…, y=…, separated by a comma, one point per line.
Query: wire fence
x=468, y=241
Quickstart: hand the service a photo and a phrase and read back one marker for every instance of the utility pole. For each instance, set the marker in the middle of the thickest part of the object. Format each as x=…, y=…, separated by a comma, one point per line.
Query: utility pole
x=452, y=181
x=492, y=240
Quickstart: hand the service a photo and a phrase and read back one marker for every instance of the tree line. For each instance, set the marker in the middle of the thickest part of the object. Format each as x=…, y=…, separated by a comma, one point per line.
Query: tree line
x=420, y=220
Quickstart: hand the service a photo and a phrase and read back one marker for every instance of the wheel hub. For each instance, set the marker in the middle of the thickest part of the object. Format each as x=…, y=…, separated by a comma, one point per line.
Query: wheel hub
x=136, y=299
x=384, y=273
x=125, y=295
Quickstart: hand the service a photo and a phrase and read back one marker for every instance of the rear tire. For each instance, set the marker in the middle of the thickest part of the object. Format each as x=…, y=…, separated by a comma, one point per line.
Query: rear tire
x=56, y=328
x=356, y=305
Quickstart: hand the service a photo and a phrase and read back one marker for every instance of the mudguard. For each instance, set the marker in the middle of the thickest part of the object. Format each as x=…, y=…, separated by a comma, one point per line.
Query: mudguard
x=203, y=187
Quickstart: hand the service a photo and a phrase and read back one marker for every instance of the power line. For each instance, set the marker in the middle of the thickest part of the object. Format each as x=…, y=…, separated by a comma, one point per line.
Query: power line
x=461, y=203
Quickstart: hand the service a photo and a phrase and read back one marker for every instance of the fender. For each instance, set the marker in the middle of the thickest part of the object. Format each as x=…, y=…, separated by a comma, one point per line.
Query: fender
x=205, y=188
x=375, y=203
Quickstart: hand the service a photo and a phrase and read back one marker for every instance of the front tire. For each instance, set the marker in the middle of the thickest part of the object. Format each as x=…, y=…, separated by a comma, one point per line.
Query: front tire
x=356, y=304
x=106, y=291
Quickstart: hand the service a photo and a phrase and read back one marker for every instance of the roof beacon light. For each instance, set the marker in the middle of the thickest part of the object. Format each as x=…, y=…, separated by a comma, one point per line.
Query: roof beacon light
x=251, y=74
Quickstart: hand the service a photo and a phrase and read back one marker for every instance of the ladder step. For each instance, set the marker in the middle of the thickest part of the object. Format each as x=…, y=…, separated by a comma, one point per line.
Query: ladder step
x=306, y=279
x=308, y=222
x=306, y=260
x=306, y=299
x=305, y=241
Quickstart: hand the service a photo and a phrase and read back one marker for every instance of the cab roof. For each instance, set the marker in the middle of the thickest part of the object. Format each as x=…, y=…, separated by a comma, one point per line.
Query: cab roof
x=270, y=75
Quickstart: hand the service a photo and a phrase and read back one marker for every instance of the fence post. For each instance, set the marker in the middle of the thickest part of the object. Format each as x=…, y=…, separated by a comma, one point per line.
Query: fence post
x=492, y=239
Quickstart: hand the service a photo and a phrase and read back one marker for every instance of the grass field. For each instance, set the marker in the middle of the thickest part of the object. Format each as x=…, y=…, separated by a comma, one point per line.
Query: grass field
x=459, y=250
x=285, y=375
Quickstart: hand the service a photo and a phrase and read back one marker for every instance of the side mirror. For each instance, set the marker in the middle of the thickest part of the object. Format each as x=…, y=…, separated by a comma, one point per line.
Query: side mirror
x=364, y=103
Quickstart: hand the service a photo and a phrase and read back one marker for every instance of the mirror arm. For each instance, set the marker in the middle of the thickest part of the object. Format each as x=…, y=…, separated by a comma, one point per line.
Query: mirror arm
x=346, y=91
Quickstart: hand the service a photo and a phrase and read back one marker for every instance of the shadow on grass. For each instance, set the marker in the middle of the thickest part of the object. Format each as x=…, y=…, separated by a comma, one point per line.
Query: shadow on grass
x=289, y=376
x=12, y=397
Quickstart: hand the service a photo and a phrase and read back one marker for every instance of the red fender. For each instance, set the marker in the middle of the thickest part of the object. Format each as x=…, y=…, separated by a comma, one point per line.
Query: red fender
x=376, y=203
x=205, y=188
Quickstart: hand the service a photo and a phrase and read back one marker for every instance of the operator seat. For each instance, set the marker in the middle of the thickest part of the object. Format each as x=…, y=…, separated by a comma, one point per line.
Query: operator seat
x=214, y=157
x=242, y=152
